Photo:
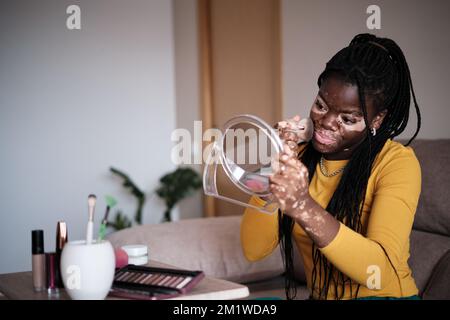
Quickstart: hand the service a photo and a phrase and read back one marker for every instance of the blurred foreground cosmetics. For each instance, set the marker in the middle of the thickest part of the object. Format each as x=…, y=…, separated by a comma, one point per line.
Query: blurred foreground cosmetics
x=38, y=260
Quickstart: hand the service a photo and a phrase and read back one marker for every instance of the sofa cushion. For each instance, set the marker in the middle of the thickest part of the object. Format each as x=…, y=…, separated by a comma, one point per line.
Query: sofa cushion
x=439, y=285
x=208, y=244
x=426, y=250
x=299, y=269
x=433, y=210
x=274, y=288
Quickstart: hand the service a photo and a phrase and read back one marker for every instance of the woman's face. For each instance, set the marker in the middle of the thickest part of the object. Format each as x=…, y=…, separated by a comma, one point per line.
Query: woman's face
x=339, y=125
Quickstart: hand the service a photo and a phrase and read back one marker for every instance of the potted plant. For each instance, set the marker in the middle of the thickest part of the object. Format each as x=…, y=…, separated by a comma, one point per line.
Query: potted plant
x=177, y=185
x=174, y=186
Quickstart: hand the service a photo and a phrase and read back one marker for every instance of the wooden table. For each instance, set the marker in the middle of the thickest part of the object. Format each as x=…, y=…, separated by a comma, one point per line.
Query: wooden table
x=19, y=286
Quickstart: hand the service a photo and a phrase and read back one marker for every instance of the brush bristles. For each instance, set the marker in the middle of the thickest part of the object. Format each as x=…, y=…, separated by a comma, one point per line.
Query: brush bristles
x=92, y=199
x=110, y=201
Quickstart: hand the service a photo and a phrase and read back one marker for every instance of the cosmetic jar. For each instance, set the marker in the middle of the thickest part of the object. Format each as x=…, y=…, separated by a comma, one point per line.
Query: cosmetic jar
x=137, y=254
x=87, y=269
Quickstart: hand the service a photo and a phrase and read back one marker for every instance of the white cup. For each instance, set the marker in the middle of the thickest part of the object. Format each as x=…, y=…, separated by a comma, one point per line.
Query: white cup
x=88, y=270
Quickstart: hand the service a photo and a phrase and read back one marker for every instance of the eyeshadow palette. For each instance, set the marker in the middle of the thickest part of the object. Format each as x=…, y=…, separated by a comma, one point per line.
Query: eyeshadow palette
x=142, y=282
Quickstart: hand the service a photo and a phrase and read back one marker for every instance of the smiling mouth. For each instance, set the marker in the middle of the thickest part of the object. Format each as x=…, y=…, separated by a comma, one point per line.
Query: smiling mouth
x=323, y=138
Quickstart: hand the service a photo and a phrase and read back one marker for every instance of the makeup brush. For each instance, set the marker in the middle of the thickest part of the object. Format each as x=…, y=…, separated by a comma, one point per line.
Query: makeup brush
x=306, y=125
x=110, y=203
x=90, y=226
x=295, y=130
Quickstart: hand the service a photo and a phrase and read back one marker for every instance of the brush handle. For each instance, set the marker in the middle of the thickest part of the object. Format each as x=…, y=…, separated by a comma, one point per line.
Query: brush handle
x=91, y=213
x=295, y=130
x=102, y=231
x=89, y=232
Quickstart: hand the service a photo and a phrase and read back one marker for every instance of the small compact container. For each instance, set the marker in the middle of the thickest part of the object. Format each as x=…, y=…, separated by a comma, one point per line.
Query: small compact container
x=137, y=254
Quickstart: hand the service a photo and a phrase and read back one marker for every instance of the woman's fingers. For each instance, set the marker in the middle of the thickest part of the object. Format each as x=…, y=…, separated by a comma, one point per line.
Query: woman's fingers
x=290, y=173
x=287, y=160
x=287, y=181
x=277, y=179
x=292, y=145
x=278, y=191
x=288, y=151
x=289, y=136
x=288, y=129
x=288, y=157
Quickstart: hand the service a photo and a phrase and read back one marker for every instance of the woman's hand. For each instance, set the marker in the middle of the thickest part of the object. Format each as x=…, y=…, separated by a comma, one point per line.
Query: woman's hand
x=294, y=130
x=289, y=185
x=290, y=188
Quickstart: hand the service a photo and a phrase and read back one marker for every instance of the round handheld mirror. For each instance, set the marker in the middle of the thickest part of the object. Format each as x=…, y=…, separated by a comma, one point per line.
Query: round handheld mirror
x=245, y=152
x=248, y=147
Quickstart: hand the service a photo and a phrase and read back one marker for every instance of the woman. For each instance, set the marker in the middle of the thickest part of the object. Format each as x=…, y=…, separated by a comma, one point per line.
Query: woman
x=348, y=197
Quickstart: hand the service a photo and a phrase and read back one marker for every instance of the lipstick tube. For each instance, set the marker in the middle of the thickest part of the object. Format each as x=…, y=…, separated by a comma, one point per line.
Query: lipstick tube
x=61, y=239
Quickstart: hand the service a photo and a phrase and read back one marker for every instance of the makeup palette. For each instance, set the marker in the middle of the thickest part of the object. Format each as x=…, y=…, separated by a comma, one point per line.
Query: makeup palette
x=143, y=282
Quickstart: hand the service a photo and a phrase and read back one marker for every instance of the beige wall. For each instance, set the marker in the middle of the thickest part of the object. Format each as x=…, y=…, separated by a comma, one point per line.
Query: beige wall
x=245, y=64
x=245, y=77
x=315, y=30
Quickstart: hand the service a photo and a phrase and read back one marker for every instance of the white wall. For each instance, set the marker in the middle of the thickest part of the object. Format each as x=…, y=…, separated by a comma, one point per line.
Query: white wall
x=73, y=103
x=313, y=31
x=187, y=86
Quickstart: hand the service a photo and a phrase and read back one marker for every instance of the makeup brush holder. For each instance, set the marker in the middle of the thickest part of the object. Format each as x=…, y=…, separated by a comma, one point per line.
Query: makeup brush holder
x=88, y=270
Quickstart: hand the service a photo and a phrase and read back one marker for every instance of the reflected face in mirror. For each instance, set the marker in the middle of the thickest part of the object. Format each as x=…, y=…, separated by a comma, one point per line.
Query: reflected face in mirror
x=339, y=125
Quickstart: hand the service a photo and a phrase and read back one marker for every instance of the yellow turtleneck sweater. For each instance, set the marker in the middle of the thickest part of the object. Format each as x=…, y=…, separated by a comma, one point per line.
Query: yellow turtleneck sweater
x=376, y=258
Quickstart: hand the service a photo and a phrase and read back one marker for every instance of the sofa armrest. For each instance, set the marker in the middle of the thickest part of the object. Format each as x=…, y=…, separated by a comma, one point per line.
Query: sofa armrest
x=438, y=287
x=208, y=244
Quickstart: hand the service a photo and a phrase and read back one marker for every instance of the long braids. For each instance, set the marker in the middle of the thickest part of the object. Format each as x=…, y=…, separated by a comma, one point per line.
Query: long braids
x=377, y=66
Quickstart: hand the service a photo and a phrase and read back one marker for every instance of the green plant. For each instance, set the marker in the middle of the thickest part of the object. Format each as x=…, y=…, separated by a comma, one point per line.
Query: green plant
x=121, y=221
x=175, y=186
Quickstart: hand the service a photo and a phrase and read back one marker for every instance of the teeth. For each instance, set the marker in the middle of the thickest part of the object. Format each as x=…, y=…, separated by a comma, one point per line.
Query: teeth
x=325, y=135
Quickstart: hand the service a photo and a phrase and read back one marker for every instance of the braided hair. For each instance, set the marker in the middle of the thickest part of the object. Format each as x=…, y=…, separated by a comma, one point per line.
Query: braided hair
x=377, y=66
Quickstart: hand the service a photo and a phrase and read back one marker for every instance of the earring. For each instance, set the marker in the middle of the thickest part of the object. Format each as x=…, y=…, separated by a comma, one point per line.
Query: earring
x=374, y=131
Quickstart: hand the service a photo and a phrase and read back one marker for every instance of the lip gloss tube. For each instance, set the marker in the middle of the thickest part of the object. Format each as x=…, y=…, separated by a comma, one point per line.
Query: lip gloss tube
x=38, y=260
x=52, y=273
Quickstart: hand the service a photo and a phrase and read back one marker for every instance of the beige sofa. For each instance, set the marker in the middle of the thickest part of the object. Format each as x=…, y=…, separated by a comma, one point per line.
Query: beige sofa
x=213, y=244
